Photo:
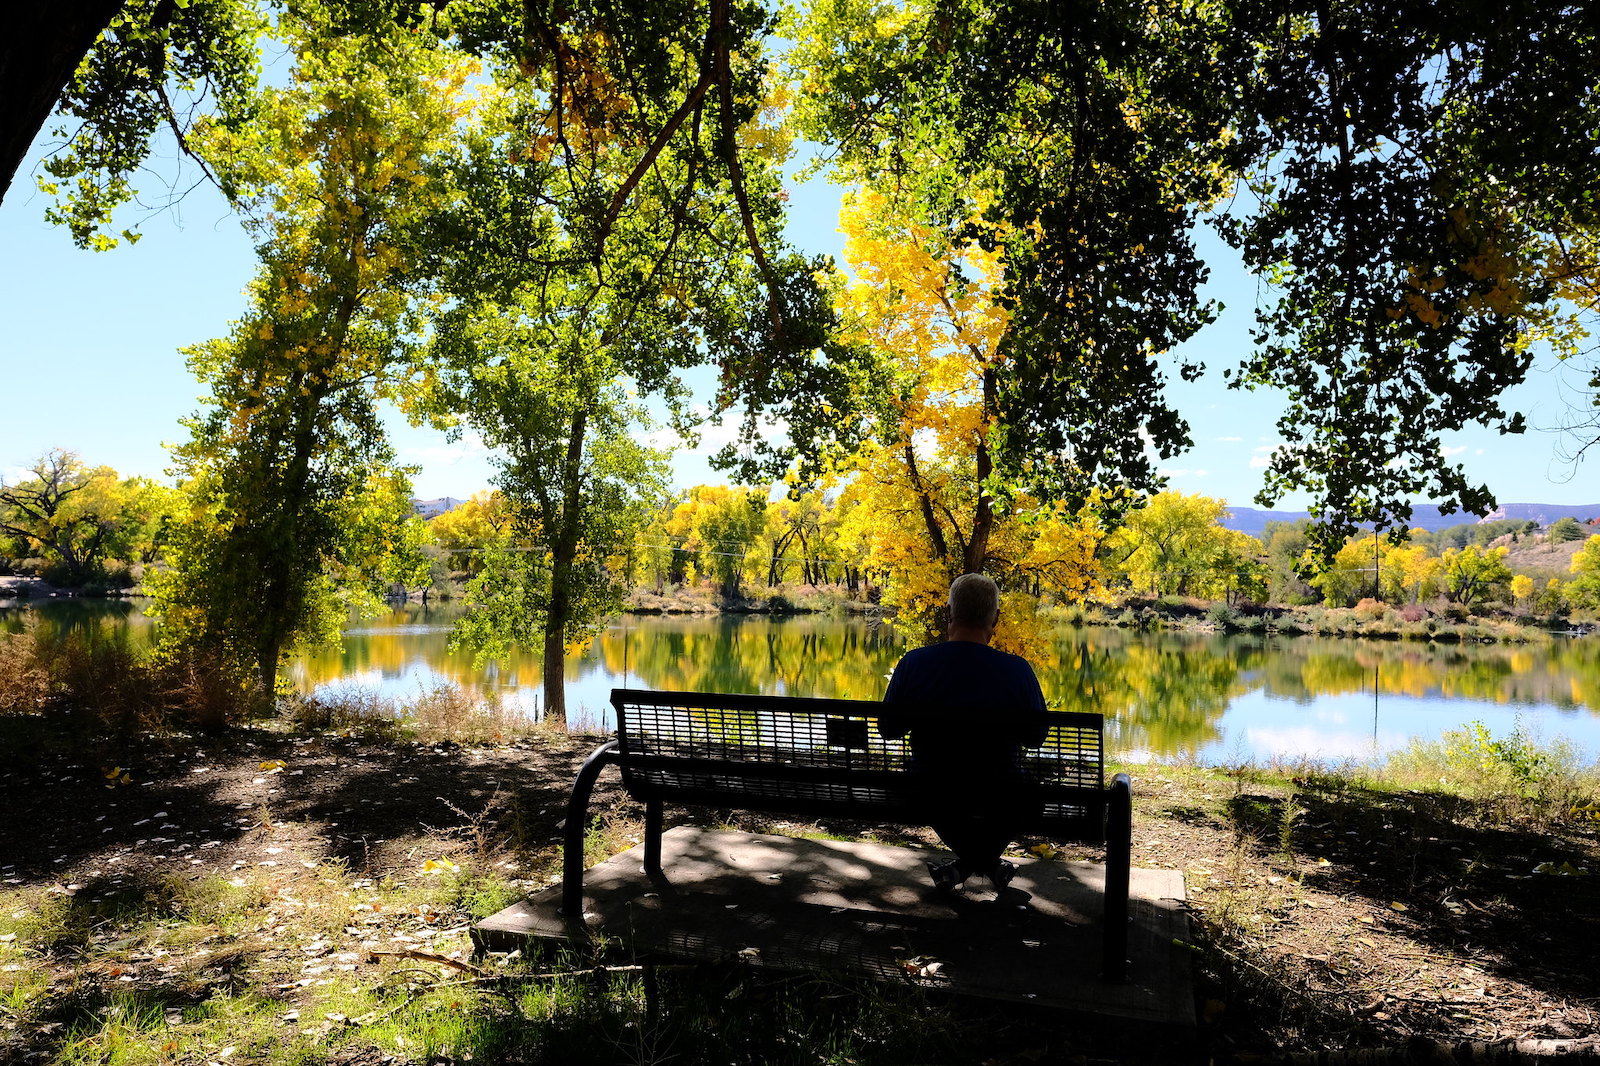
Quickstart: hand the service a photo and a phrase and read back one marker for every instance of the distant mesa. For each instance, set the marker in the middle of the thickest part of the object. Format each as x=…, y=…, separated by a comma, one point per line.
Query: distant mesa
x=435, y=508
x=1254, y=521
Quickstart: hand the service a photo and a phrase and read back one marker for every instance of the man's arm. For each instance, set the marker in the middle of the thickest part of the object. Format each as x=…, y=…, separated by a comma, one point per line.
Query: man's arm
x=893, y=722
x=1036, y=727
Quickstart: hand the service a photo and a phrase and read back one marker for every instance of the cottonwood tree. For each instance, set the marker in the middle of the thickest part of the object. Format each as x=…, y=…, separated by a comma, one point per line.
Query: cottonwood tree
x=1584, y=589
x=577, y=483
x=1175, y=545
x=1471, y=576
x=1421, y=191
x=924, y=502
x=296, y=509
x=79, y=518
x=115, y=74
x=464, y=531
x=1081, y=147
x=558, y=303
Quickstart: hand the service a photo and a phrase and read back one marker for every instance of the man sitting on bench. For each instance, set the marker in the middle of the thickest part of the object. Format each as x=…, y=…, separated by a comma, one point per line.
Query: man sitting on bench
x=970, y=709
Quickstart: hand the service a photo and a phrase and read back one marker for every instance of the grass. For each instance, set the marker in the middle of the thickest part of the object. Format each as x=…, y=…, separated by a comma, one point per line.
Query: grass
x=443, y=712
x=102, y=686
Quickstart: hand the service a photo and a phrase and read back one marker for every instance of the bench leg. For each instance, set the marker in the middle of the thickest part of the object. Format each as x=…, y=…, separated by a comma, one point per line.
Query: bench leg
x=576, y=828
x=1119, y=860
x=652, y=838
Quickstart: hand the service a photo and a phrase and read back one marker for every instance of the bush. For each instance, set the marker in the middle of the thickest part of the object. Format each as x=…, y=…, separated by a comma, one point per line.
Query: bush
x=1222, y=616
x=1523, y=779
x=1371, y=610
x=441, y=712
x=1075, y=615
x=1177, y=607
x=106, y=687
x=1413, y=612
x=24, y=682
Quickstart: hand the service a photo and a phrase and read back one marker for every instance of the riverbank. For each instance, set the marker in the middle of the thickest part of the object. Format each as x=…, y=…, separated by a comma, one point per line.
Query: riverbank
x=1436, y=622
x=289, y=895
x=1440, y=623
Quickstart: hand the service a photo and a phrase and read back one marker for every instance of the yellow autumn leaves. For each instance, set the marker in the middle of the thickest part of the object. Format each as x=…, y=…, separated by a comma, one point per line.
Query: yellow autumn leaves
x=914, y=498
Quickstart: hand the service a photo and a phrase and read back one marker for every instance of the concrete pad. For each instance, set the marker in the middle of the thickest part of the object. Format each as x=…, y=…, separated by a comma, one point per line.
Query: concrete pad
x=869, y=910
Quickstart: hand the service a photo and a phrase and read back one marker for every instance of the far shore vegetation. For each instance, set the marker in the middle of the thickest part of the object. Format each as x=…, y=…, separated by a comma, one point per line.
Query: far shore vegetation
x=83, y=530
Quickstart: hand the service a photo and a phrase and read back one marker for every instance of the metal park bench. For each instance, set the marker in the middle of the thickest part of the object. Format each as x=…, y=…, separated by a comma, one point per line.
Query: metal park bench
x=821, y=757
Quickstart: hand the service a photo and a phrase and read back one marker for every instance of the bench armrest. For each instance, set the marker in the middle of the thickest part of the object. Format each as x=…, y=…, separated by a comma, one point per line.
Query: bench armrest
x=577, y=826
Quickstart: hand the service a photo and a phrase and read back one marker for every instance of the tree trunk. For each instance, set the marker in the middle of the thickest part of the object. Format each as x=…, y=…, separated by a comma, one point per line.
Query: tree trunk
x=930, y=521
x=983, y=513
x=563, y=552
x=42, y=47
x=555, y=671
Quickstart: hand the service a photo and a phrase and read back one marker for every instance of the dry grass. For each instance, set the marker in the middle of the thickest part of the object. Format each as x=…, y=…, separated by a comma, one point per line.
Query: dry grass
x=105, y=686
x=442, y=712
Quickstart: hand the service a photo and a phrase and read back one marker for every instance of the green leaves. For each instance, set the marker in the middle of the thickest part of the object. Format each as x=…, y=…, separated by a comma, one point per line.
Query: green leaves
x=147, y=74
x=299, y=514
x=1079, y=142
x=1403, y=214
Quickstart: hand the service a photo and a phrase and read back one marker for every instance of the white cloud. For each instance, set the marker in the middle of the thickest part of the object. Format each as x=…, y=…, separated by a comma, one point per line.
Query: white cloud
x=1448, y=452
x=1231, y=440
x=445, y=453
x=1260, y=462
x=715, y=436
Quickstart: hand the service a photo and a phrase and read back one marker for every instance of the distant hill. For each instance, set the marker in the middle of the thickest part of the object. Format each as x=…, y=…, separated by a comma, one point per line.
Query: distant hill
x=435, y=508
x=1253, y=520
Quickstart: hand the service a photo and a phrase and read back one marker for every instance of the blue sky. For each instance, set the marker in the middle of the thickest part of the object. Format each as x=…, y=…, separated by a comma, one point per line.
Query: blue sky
x=89, y=357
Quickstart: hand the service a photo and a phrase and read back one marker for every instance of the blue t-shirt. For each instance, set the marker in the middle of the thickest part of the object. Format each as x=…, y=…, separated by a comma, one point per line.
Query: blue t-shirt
x=969, y=708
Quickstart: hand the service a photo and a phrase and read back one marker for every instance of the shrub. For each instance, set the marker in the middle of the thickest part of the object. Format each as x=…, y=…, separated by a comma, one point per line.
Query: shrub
x=1523, y=780
x=24, y=682
x=1370, y=610
x=106, y=686
x=1222, y=616
x=441, y=712
x=1413, y=612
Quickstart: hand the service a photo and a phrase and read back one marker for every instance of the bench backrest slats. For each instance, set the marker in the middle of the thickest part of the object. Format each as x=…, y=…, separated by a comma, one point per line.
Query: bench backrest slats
x=823, y=756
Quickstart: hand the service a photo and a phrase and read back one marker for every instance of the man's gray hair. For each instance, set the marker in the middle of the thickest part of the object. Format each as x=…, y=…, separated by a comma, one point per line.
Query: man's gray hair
x=974, y=600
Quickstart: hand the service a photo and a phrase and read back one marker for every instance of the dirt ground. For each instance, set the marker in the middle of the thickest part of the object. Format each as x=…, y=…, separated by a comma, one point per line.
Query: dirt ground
x=1324, y=917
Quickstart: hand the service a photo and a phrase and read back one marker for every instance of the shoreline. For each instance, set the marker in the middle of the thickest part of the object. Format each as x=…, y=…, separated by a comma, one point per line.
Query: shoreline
x=1437, y=623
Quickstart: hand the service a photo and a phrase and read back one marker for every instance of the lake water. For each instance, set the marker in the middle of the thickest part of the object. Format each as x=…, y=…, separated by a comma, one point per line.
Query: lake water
x=1214, y=698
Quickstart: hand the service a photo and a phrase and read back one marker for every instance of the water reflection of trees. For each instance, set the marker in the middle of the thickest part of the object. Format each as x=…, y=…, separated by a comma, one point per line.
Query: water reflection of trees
x=1162, y=692
x=93, y=620
x=799, y=657
x=1166, y=692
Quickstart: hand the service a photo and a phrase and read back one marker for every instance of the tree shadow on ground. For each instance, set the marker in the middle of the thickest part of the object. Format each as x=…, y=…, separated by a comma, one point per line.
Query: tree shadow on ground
x=201, y=801
x=1440, y=872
